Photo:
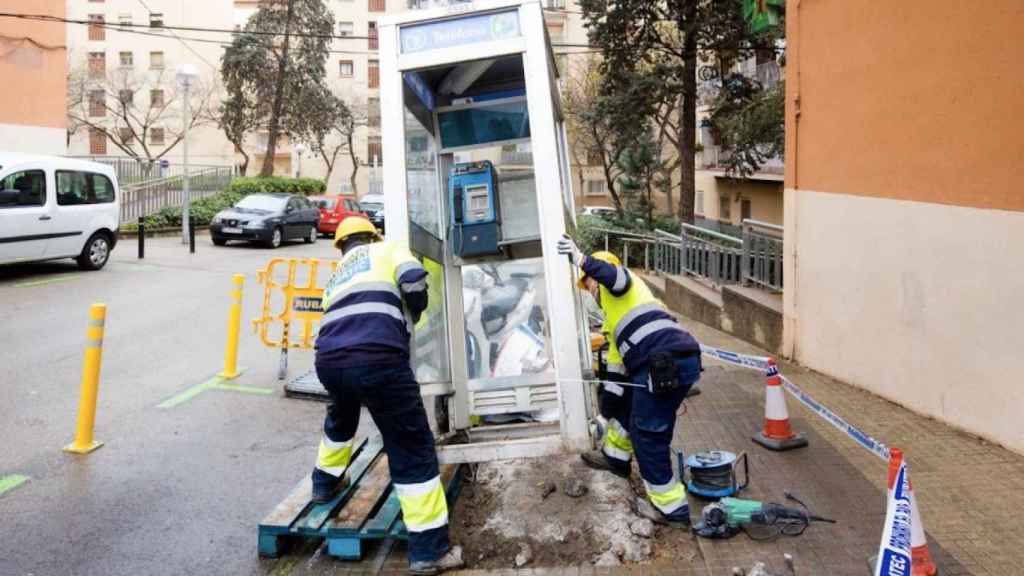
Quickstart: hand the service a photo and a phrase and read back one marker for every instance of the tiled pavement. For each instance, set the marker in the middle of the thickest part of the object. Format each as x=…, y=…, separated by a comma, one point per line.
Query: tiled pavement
x=971, y=493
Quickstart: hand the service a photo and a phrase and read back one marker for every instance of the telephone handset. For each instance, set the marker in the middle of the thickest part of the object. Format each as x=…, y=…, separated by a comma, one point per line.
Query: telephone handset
x=457, y=204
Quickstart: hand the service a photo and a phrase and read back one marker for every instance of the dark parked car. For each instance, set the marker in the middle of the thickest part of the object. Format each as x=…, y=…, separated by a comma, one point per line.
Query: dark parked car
x=373, y=206
x=267, y=218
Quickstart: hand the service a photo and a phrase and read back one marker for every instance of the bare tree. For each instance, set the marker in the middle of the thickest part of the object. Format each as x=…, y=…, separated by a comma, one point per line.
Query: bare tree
x=587, y=128
x=133, y=110
x=329, y=128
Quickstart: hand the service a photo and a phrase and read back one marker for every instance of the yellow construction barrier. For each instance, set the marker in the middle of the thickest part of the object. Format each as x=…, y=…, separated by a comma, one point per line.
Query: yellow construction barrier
x=84, y=442
x=234, y=327
x=301, y=304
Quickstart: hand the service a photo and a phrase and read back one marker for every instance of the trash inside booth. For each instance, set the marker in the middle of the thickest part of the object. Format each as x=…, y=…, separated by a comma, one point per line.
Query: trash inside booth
x=478, y=184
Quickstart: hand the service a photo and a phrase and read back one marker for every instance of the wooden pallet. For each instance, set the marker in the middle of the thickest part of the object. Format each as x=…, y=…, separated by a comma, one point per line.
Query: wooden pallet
x=367, y=509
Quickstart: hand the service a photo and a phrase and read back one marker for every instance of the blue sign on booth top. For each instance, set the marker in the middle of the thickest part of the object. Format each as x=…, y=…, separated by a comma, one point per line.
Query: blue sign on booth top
x=460, y=31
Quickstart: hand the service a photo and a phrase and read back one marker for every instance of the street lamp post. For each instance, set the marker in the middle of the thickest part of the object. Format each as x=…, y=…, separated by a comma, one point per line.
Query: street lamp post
x=299, y=149
x=187, y=75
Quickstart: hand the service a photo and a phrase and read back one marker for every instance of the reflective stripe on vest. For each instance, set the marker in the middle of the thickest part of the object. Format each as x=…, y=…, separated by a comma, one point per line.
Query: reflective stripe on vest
x=621, y=311
x=646, y=330
x=424, y=506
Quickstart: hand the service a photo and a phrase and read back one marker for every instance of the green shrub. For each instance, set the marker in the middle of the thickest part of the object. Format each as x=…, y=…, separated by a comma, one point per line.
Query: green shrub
x=277, y=184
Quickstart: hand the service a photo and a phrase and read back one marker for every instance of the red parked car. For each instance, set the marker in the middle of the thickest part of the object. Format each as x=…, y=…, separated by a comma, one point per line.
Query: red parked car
x=334, y=210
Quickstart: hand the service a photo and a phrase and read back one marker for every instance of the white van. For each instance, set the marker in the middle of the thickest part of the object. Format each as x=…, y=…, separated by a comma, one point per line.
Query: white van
x=53, y=207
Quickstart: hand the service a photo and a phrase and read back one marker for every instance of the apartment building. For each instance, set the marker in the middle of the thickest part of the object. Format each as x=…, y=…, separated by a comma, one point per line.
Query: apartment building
x=122, y=79
x=32, y=63
x=152, y=54
x=904, y=217
x=722, y=201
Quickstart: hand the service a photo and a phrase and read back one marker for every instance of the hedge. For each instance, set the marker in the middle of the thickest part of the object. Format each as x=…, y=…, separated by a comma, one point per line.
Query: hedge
x=202, y=210
x=277, y=184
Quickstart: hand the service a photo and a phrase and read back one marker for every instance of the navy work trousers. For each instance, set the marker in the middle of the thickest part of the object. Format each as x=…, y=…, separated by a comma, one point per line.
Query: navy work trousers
x=391, y=394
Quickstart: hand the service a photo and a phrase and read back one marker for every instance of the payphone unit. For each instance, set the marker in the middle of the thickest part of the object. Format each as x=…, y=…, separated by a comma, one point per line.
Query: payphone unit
x=475, y=222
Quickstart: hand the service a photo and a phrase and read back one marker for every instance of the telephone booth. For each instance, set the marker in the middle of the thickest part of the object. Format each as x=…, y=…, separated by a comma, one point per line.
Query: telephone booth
x=477, y=182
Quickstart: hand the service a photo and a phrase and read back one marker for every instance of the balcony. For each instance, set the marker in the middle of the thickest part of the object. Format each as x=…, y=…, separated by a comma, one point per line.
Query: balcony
x=714, y=158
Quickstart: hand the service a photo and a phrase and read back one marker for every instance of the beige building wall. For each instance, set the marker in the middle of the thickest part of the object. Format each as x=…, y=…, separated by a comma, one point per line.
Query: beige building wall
x=32, y=63
x=904, y=217
x=207, y=144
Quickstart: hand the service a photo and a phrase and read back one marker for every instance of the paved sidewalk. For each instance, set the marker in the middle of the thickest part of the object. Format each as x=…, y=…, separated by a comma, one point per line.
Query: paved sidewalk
x=971, y=493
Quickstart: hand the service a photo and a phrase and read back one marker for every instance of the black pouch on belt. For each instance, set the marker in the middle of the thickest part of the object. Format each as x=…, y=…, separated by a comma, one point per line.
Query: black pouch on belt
x=664, y=376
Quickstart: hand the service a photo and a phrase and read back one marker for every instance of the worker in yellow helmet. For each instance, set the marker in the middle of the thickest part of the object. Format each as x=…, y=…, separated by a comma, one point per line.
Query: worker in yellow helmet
x=371, y=303
x=660, y=359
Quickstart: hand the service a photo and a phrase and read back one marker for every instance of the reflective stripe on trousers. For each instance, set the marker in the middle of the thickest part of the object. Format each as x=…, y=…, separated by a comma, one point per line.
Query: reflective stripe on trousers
x=424, y=506
x=333, y=457
x=616, y=442
x=667, y=497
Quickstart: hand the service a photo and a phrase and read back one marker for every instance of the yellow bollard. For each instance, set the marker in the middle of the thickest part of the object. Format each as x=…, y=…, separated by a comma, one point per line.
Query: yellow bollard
x=234, y=326
x=84, y=442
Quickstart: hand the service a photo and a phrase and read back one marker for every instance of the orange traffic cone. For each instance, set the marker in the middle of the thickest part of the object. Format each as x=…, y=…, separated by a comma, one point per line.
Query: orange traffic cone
x=777, y=434
x=921, y=556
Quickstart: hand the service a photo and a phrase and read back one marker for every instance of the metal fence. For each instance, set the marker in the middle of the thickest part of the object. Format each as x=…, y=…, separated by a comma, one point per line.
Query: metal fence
x=145, y=198
x=762, y=254
x=754, y=259
x=138, y=170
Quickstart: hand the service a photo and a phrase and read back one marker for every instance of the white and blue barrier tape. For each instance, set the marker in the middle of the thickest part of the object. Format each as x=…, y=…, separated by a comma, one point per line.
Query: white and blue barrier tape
x=895, y=551
x=761, y=363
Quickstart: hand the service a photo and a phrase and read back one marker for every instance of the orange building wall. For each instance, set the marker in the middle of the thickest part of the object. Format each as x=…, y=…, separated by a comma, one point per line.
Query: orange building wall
x=915, y=100
x=33, y=62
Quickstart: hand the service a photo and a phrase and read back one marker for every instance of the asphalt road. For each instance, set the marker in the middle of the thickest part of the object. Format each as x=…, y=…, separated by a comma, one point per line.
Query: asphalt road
x=174, y=490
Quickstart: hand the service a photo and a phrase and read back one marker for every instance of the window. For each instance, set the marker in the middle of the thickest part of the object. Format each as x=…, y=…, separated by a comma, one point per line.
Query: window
x=126, y=134
x=156, y=20
x=597, y=188
x=126, y=97
x=96, y=29
x=346, y=28
x=554, y=3
x=371, y=35
x=594, y=157
x=376, y=5
x=724, y=208
x=127, y=59
x=373, y=151
x=97, y=142
x=156, y=60
x=345, y=68
x=745, y=208
x=125, y=20
x=83, y=188
x=556, y=31
x=156, y=136
x=97, y=103
x=698, y=203
x=156, y=98
x=27, y=188
x=373, y=112
x=97, y=64
x=373, y=74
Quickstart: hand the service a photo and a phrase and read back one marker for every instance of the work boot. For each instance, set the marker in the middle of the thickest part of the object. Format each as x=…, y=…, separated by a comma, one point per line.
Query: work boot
x=451, y=560
x=644, y=509
x=324, y=493
x=598, y=461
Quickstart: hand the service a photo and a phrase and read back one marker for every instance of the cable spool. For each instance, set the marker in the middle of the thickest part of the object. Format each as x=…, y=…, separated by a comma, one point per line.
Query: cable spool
x=712, y=474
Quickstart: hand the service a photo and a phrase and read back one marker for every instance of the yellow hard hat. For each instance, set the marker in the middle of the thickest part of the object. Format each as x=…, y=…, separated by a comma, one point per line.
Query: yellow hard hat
x=354, y=225
x=603, y=256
